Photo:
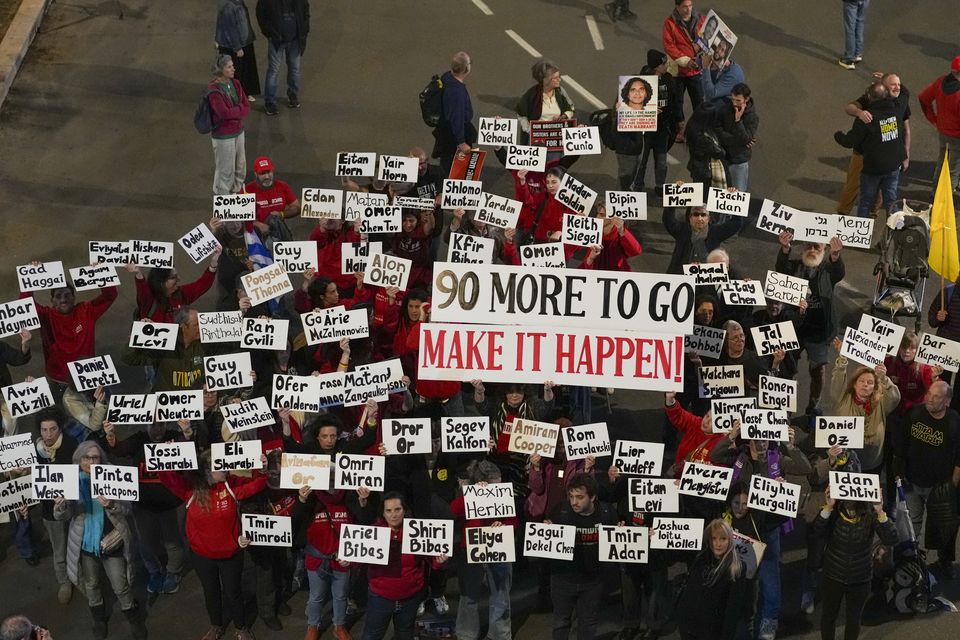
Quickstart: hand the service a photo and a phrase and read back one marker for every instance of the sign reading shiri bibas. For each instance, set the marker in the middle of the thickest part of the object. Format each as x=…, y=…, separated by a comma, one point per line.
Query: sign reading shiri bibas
x=770, y=338
x=506, y=294
x=582, y=441
x=638, y=458
x=427, y=537
x=624, y=544
x=500, y=353
x=653, y=495
x=937, y=351
x=777, y=393
x=722, y=381
x=743, y=293
x=17, y=315
x=726, y=411
x=532, y=437
x=705, y=481
x=490, y=544
x=773, y=496
x=863, y=347
x=705, y=341
x=334, y=323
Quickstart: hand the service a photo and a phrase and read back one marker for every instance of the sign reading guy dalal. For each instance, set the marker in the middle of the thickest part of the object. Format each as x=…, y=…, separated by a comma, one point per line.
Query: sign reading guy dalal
x=229, y=371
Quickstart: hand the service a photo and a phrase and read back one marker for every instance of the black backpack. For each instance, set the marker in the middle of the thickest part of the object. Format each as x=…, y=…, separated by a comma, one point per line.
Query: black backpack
x=203, y=116
x=431, y=102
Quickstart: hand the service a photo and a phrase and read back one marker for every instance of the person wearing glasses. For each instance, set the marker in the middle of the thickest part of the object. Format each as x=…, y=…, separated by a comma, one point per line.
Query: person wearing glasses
x=696, y=238
x=160, y=294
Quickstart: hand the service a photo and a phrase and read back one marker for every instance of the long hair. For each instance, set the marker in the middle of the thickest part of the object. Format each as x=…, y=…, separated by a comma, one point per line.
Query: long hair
x=877, y=394
x=202, y=481
x=729, y=564
x=156, y=280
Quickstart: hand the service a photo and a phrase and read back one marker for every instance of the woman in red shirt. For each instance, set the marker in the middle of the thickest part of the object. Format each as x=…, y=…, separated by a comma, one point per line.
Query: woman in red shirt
x=618, y=245
x=542, y=213
x=159, y=295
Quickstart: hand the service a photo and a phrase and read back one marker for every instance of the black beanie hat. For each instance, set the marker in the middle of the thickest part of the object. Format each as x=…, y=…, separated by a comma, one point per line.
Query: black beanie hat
x=655, y=58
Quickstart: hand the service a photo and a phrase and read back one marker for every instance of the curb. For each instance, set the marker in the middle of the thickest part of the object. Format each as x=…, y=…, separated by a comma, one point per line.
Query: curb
x=17, y=41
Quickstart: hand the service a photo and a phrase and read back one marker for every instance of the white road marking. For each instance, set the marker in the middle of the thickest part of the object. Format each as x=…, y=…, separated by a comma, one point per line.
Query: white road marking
x=594, y=32
x=526, y=46
x=589, y=97
x=483, y=7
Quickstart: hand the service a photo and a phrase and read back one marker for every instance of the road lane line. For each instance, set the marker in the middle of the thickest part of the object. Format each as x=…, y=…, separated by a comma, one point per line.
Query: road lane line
x=594, y=33
x=483, y=7
x=526, y=46
x=589, y=97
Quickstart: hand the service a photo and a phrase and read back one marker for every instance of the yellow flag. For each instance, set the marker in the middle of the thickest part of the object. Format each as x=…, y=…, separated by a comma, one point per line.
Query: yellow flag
x=944, y=257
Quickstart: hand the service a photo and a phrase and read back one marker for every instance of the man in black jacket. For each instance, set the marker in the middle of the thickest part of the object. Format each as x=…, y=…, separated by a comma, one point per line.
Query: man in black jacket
x=285, y=23
x=738, y=122
x=883, y=147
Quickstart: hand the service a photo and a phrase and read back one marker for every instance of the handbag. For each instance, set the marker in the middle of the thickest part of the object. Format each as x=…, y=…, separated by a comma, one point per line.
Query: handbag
x=111, y=542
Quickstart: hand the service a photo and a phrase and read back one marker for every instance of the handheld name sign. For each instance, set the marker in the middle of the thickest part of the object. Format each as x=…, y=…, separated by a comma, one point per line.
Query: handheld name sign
x=705, y=341
x=381, y=219
x=247, y=415
x=581, y=231
x=264, y=333
x=29, y=397
x=305, y=470
x=52, y=481
x=855, y=232
x=638, y=458
x=624, y=544
x=116, y=253
x=937, y=351
x=239, y=207
x=490, y=544
x=267, y=531
x=857, y=487
x=407, y=436
x=199, y=243
x=17, y=315
x=628, y=205
x=461, y=194
x=582, y=141
x=497, y=132
x=161, y=336
x=427, y=537
x=842, y=431
x=98, y=277
x=772, y=496
x=91, y=373
x=114, y=482
x=356, y=203
x=494, y=500
x=499, y=212
x=296, y=393
x=732, y=203
x=786, y=289
x=683, y=534
x=724, y=381
x=765, y=424
x=889, y=333
x=653, y=495
x=705, y=481
x=726, y=411
x=751, y=553
x=48, y=275
x=530, y=437
x=409, y=202
x=146, y=253
x=242, y=455
x=132, y=408
x=775, y=217
x=296, y=257
x=815, y=227
x=15, y=494
x=465, y=434
x=707, y=272
x=354, y=165
x=397, y=169
x=364, y=544
x=777, y=393
x=321, y=203
x=354, y=471
x=770, y=338
x=229, y=371
x=354, y=256
x=388, y=271
x=220, y=326
x=585, y=440
x=268, y=283
x=179, y=405
x=863, y=347
x=17, y=452
x=376, y=380
x=552, y=541
x=689, y=194
x=170, y=456
x=464, y=249
x=334, y=323
x=576, y=195
x=744, y=293
x=526, y=158
x=549, y=256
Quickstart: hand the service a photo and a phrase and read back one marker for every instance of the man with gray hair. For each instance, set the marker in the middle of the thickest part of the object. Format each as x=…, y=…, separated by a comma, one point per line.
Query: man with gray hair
x=229, y=108
x=456, y=132
x=20, y=628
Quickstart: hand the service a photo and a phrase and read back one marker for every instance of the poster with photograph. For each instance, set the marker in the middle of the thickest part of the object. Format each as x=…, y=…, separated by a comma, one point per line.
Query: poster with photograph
x=717, y=38
x=637, y=103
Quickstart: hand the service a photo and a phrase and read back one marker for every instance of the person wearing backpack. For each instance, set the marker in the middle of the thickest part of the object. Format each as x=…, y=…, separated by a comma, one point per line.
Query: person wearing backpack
x=455, y=132
x=228, y=109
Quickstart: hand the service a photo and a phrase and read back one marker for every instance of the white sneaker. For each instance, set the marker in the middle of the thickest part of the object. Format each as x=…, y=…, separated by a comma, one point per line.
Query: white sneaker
x=421, y=608
x=440, y=604
x=806, y=602
x=768, y=629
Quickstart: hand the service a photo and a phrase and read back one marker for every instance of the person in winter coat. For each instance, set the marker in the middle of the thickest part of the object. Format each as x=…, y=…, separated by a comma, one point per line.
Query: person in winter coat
x=941, y=105
x=542, y=215
x=679, y=41
x=285, y=24
x=697, y=237
x=160, y=294
x=669, y=113
x=911, y=377
x=229, y=108
x=619, y=244
x=708, y=158
x=100, y=539
x=234, y=37
x=698, y=438
x=545, y=100
x=845, y=532
x=738, y=122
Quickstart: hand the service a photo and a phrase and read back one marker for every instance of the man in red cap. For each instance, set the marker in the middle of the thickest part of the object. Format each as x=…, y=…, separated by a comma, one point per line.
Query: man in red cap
x=941, y=105
x=274, y=198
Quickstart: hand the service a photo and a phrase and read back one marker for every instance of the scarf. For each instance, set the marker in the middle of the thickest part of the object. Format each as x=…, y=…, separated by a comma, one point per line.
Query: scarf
x=698, y=245
x=50, y=453
x=504, y=415
x=93, y=517
x=864, y=404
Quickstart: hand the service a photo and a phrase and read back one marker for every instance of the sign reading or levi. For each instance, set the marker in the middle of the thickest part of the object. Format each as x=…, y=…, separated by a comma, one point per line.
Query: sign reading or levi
x=497, y=132
x=199, y=243
x=526, y=158
x=27, y=397
x=321, y=203
x=354, y=165
x=582, y=141
x=937, y=351
x=582, y=441
x=490, y=501
x=427, y=537
x=770, y=338
x=94, y=277
x=406, y=436
x=17, y=315
x=689, y=194
x=264, y=333
x=581, y=231
x=296, y=257
x=466, y=249
x=381, y=219
x=461, y=194
x=576, y=195
x=531, y=437
x=132, y=409
x=499, y=353
x=37, y=277
x=388, y=271
x=266, y=284
x=628, y=205
x=733, y=203
x=235, y=207
x=94, y=372
x=397, y=169
x=161, y=336
x=229, y=371
x=334, y=323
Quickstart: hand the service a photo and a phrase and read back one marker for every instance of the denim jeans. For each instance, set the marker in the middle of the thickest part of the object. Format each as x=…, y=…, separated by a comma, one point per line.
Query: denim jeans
x=499, y=579
x=159, y=533
x=324, y=584
x=380, y=611
x=23, y=538
x=740, y=175
x=954, y=145
x=768, y=605
x=870, y=184
x=277, y=53
x=854, y=14
x=582, y=593
x=116, y=569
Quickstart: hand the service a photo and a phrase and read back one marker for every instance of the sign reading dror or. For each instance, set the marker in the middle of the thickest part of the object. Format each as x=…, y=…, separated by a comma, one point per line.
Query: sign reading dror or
x=407, y=436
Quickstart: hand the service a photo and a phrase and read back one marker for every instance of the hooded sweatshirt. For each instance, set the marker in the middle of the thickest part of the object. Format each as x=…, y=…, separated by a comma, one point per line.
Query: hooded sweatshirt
x=881, y=142
x=945, y=92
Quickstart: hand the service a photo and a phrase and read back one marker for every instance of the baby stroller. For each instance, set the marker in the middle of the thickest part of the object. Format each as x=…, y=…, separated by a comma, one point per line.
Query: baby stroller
x=902, y=271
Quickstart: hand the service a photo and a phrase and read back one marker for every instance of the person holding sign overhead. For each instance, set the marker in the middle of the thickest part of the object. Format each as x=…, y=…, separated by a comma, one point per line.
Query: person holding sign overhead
x=160, y=295
x=541, y=218
x=696, y=237
x=912, y=378
x=619, y=244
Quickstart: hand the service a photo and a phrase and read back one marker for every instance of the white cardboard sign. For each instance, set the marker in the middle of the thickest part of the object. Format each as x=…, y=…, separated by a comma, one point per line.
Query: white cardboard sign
x=581, y=441
x=90, y=373
x=552, y=541
x=354, y=256
x=51, y=481
x=653, y=495
x=582, y=141
x=235, y=207
x=17, y=315
x=576, y=195
x=867, y=349
x=17, y=452
x=116, y=253
x=364, y=544
x=170, y=456
x=350, y=164
x=321, y=203
x=765, y=424
x=777, y=393
x=427, y=537
x=199, y=243
x=220, y=326
x=689, y=194
x=161, y=336
x=629, y=205
x=264, y=333
x=498, y=212
x=305, y=470
x=388, y=271
x=132, y=408
x=266, y=284
x=47, y=275
x=179, y=405
x=530, y=437
x=397, y=169
x=229, y=371
x=25, y=398
x=844, y=431
x=297, y=393
x=354, y=471
x=683, y=534
x=890, y=333
x=624, y=544
x=147, y=253
x=497, y=132
x=723, y=381
x=937, y=351
x=773, y=496
x=115, y=482
x=249, y=414
x=16, y=493
x=581, y=231
x=736, y=203
x=403, y=436
x=705, y=481
x=490, y=544
x=467, y=434
x=858, y=487
x=334, y=323
x=787, y=289
x=770, y=338
x=705, y=341
x=468, y=249
x=296, y=257
x=745, y=293
x=526, y=158
x=728, y=410
x=549, y=255
x=242, y=455
x=90, y=278
x=494, y=500
x=632, y=457
x=707, y=272
x=357, y=203
x=266, y=530
x=461, y=194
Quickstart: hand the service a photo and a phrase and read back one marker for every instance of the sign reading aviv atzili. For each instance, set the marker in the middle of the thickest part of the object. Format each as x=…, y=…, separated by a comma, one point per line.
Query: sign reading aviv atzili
x=229, y=371
x=29, y=397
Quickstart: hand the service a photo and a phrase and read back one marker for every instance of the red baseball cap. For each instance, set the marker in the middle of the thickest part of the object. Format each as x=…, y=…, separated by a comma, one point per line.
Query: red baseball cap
x=262, y=165
x=955, y=66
